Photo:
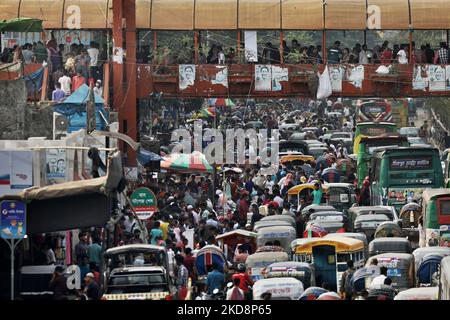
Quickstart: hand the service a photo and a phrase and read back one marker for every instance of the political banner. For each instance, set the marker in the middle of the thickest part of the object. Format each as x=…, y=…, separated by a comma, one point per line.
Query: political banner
x=263, y=77
x=251, y=46
x=355, y=75
x=336, y=75
x=221, y=77
x=436, y=75
x=420, y=77
x=278, y=75
x=56, y=165
x=186, y=73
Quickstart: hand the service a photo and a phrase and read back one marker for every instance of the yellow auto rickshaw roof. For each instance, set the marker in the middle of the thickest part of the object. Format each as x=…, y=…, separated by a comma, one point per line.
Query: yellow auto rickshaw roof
x=342, y=244
x=299, y=188
x=293, y=157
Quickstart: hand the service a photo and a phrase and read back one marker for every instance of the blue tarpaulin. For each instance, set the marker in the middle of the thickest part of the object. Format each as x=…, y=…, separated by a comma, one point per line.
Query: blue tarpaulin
x=33, y=82
x=74, y=108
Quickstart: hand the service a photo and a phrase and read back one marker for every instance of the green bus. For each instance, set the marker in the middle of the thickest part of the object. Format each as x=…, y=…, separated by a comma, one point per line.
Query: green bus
x=436, y=218
x=368, y=145
x=400, y=175
x=371, y=129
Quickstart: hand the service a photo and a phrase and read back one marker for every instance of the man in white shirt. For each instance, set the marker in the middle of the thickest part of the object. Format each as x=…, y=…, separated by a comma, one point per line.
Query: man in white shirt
x=93, y=55
x=278, y=199
x=363, y=59
x=378, y=281
x=401, y=56
x=194, y=213
x=65, y=82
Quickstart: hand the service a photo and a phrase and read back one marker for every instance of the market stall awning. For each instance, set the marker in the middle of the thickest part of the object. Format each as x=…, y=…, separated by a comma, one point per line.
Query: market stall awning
x=21, y=25
x=71, y=205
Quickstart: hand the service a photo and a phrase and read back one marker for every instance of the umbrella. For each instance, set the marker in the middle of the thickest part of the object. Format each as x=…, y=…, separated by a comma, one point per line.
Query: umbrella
x=21, y=25
x=312, y=293
x=329, y=296
x=331, y=175
x=221, y=102
x=194, y=162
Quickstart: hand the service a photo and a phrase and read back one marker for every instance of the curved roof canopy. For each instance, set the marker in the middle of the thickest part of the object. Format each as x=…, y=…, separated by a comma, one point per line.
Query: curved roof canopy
x=242, y=14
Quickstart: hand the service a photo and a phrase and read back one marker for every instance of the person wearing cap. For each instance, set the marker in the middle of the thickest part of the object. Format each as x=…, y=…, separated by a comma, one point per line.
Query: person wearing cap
x=58, y=284
x=92, y=290
x=98, y=89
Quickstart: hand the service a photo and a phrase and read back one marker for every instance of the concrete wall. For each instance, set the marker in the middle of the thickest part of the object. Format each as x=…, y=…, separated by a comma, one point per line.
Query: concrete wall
x=13, y=102
x=20, y=120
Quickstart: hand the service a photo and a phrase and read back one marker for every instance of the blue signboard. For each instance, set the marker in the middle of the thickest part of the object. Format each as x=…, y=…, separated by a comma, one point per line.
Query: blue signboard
x=13, y=219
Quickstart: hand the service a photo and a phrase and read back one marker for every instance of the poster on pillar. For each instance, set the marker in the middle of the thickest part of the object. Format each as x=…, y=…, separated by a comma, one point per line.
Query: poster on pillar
x=279, y=75
x=336, y=75
x=263, y=77
x=221, y=76
x=251, y=46
x=436, y=75
x=186, y=74
x=117, y=55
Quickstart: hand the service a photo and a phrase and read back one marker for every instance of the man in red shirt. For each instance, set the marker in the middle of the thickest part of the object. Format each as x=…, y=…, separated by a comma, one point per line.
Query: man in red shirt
x=77, y=81
x=244, y=278
x=189, y=262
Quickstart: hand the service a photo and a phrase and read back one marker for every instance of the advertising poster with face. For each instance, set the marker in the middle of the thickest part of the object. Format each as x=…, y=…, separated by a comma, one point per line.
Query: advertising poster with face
x=355, y=75
x=336, y=75
x=420, y=77
x=186, y=74
x=279, y=74
x=56, y=165
x=436, y=74
x=221, y=77
x=251, y=47
x=263, y=77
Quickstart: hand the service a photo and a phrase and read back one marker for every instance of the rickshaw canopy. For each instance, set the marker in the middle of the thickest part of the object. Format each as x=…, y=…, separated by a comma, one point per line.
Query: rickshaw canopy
x=271, y=223
x=285, y=288
x=342, y=244
x=389, y=245
x=423, y=293
x=419, y=253
x=207, y=255
x=299, y=270
x=388, y=229
x=428, y=266
x=296, y=157
x=299, y=188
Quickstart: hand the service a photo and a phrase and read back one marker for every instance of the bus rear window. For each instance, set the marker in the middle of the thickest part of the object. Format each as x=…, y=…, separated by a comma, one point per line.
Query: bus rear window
x=376, y=131
x=373, y=109
x=410, y=163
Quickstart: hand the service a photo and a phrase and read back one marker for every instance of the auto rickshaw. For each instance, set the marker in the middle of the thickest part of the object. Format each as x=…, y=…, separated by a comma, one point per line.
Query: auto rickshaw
x=428, y=266
x=304, y=191
x=419, y=253
x=298, y=270
x=286, y=288
x=368, y=224
x=388, y=229
x=331, y=225
x=314, y=231
x=409, y=215
x=271, y=223
x=280, y=217
x=230, y=241
x=294, y=159
x=284, y=234
x=340, y=195
x=353, y=235
x=400, y=268
x=356, y=211
x=316, y=208
x=423, y=293
x=389, y=245
x=257, y=262
x=205, y=258
x=329, y=256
